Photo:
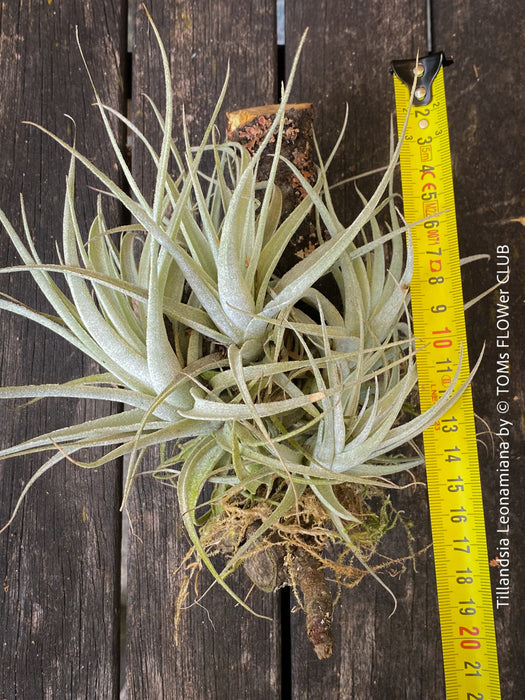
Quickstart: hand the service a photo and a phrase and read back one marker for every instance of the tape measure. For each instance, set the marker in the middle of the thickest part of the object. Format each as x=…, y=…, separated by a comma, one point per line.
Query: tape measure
x=454, y=488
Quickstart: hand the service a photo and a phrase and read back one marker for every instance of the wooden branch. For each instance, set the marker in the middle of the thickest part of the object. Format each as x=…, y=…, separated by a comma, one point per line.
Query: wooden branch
x=317, y=601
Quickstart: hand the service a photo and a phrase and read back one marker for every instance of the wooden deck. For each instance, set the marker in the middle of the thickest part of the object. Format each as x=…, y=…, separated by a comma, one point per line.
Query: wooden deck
x=60, y=562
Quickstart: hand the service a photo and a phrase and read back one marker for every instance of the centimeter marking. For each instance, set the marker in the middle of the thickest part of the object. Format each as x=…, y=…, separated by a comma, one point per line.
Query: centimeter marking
x=454, y=487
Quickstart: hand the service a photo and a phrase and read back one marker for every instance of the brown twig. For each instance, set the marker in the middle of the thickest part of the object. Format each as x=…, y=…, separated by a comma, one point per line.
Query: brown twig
x=317, y=601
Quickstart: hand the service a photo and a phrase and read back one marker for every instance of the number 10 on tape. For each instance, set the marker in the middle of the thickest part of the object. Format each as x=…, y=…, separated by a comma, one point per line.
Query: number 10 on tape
x=454, y=489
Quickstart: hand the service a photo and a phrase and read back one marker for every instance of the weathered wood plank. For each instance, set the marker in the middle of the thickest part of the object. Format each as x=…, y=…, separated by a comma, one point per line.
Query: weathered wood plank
x=58, y=613
x=485, y=106
x=223, y=651
x=346, y=59
x=401, y=656
x=60, y=559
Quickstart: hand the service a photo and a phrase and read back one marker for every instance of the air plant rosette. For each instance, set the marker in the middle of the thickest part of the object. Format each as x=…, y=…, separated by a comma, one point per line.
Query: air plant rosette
x=287, y=409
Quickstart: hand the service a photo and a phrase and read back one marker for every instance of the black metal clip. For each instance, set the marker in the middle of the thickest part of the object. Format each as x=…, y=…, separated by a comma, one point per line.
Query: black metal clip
x=427, y=68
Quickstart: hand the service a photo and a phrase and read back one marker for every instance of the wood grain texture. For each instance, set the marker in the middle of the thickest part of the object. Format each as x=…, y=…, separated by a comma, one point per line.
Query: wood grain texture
x=400, y=657
x=220, y=644
x=201, y=41
x=485, y=107
x=59, y=561
x=346, y=59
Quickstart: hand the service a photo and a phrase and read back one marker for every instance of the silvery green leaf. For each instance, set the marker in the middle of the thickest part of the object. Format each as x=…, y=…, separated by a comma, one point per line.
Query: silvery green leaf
x=163, y=364
x=196, y=470
x=235, y=296
x=106, y=337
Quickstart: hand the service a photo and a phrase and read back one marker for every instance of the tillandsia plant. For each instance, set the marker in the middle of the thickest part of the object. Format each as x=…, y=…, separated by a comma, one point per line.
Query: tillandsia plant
x=287, y=408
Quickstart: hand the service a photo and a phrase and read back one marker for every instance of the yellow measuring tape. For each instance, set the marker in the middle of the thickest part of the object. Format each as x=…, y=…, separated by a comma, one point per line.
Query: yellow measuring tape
x=454, y=488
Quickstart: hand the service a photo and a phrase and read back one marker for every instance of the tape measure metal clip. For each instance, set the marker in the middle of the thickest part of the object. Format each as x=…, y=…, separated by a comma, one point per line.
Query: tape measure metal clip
x=427, y=70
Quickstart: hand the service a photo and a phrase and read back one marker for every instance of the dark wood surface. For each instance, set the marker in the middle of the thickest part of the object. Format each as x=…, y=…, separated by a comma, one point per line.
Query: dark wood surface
x=346, y=60
x=60, y=560
x=218, y=641
x=487, y=145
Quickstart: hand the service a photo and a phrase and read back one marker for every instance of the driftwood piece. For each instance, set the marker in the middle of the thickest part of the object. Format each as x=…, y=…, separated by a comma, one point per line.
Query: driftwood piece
x=317, y=601
x=249, y=127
